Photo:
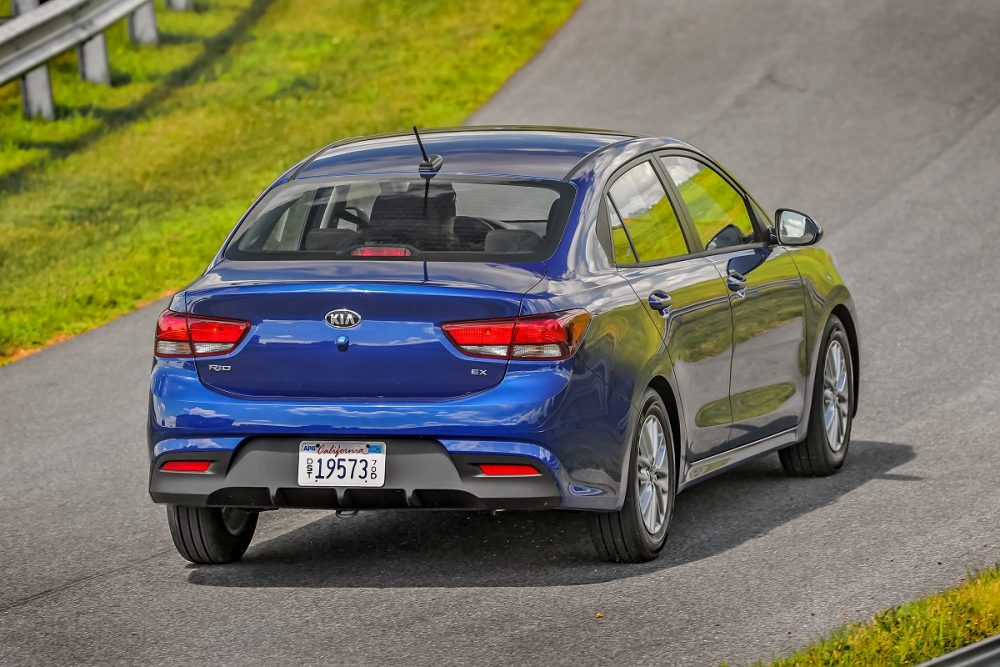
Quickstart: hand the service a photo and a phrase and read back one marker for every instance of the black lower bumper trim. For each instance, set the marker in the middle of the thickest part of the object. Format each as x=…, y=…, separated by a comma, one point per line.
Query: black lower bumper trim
x=420, y=473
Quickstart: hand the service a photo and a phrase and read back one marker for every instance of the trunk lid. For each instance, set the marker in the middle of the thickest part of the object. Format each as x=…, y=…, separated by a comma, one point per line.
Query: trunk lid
x=396, y=351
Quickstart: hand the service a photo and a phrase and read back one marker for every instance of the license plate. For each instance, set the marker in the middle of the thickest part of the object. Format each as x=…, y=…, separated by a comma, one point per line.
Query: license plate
x=328, y=463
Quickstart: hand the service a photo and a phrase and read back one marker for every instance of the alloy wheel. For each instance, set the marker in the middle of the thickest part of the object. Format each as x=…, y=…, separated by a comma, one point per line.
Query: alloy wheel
x=653, y=475
x=836, y=396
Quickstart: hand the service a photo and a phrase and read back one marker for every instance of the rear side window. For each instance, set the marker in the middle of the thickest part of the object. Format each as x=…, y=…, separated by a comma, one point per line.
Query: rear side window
x=406, y=218
x=649, y=222
x=718, y=211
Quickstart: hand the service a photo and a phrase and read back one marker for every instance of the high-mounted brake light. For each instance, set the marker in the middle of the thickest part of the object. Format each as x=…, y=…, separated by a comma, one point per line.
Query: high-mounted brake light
x=551, y=336
x=186, y=466
x=183, y=335
x=380, y=251
x=508, y=470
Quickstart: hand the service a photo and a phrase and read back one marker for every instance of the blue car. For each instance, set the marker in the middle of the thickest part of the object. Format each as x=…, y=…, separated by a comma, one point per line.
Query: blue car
x=497, y=318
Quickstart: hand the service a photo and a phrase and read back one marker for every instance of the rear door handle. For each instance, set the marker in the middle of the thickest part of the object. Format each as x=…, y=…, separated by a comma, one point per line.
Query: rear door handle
x=737, y=282
x=660, y=300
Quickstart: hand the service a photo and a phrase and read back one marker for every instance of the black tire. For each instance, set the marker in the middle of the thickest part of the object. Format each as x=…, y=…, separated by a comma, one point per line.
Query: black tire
x=623, y=536
x=211, y=535
x=815, y=456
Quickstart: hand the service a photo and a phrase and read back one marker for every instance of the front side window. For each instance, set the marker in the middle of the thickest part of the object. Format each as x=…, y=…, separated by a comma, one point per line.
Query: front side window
x=647, y=216
x=406, y=218
x=718, y=211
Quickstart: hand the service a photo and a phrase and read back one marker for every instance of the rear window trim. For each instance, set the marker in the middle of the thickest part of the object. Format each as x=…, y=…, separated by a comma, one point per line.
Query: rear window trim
x=567, y=191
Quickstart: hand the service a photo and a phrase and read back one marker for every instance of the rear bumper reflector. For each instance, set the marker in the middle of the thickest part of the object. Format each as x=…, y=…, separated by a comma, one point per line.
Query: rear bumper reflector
x=186, y=466
x=508, y=470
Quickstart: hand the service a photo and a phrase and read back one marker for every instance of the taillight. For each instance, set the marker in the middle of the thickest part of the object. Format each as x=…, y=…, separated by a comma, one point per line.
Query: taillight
x=380, y=251
x=183, y=335
x=172, y=339
x=535, y=337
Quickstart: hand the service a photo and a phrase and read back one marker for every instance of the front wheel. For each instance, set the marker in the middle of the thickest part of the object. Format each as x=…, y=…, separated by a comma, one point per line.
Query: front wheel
x=638, y=531
x=832, y=412
x=211, y=535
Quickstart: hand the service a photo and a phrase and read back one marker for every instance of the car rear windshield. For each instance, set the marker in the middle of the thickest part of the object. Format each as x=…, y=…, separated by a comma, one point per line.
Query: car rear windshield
x=406, y=218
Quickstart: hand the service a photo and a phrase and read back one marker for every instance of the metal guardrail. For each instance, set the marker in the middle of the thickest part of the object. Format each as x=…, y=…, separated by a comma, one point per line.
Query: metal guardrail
x=981, y=654
x=40, y=32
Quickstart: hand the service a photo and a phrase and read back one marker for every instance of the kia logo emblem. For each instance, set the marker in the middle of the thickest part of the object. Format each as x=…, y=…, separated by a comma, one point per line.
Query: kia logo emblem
x=343, y=318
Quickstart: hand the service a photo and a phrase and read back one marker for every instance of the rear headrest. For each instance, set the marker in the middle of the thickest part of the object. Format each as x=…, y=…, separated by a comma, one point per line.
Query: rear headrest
x=410, y=204
x=400, y=217
x=337, y=240
x=512, y=240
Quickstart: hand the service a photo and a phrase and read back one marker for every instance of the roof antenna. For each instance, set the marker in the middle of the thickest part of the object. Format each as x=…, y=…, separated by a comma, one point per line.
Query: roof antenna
x=428, y=168
x=432, y=163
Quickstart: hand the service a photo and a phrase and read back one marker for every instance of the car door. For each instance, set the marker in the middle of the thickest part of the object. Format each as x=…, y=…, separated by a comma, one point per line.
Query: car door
x=765, y=293
x=684, y=298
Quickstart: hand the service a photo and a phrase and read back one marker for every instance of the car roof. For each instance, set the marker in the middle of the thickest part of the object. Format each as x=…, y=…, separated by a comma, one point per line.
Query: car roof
x=524, y=151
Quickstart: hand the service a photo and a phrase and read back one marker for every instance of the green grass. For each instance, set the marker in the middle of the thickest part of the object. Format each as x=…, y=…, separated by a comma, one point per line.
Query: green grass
x=130, y=192
x=914, y=632
x=141, y=76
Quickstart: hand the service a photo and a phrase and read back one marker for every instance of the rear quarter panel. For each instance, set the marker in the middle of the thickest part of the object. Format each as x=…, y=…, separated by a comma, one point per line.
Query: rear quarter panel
x=620, y=351
x=595, y=424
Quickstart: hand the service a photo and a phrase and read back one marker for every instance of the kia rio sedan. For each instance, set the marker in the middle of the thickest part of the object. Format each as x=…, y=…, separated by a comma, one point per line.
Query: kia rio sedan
x=497, y=318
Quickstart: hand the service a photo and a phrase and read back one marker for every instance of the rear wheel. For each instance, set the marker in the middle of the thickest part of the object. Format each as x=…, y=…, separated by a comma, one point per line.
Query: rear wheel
x=830, y=418
x=211, y=535
x=638, y=531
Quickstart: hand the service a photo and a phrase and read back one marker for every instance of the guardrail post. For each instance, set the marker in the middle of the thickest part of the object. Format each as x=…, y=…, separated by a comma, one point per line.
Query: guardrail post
x=36, y=88
x=142, y=25
x=180, y=5
x=92, y=57
x=36, y=94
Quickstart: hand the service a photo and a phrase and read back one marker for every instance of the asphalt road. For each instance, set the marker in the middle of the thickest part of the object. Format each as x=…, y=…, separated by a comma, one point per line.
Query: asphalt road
x=879, y=118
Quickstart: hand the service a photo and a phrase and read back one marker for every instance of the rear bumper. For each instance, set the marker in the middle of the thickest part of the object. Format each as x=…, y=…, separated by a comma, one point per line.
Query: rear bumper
x=261, y=474
x=562, y=418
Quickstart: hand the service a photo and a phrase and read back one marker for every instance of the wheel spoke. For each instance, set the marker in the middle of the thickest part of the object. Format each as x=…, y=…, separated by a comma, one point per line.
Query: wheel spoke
x=648, y=508
x=829, y=379
x=645, y=497
x=841, y=370
x=661, y=453
x=835, y=429
x=829, y=420
x=645, y=449
x=653, y=429
x=658, y=515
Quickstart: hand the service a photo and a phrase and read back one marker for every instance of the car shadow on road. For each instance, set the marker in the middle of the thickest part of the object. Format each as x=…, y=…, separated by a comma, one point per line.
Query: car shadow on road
x=416, y=549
